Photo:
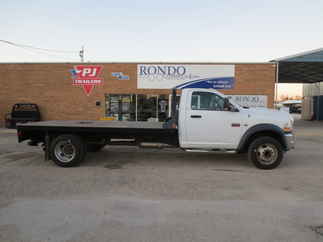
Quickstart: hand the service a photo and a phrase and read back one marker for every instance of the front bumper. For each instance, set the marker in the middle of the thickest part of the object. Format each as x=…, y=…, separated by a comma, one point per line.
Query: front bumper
x=290, y=141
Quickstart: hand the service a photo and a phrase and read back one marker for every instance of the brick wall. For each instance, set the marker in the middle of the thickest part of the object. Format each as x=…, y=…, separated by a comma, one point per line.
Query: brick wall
x=50, y=86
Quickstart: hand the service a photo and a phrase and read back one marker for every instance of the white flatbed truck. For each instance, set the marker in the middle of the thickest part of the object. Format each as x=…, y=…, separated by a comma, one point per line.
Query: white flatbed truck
x=205, y=121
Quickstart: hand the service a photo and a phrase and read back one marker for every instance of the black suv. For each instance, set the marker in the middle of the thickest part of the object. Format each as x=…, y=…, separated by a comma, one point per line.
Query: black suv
x=22, y=113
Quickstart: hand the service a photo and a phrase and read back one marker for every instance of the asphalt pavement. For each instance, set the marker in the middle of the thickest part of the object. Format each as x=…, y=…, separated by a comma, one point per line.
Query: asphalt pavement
x=131, y=194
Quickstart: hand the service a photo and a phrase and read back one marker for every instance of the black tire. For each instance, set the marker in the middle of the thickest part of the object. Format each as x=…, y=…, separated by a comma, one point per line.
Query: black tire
x=265, y=153
x=94, y=147
x=67, y=150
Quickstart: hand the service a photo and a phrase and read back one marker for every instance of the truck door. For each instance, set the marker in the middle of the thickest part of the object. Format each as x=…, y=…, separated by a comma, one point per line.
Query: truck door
x=208, y=125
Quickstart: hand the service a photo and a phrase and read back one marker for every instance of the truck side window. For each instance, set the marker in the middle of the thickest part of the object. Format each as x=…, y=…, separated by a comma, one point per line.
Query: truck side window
x=207, y=101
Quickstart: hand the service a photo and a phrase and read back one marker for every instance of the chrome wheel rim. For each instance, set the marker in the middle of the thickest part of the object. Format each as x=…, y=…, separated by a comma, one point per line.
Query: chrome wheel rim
x=267, y=154
x=65, y=151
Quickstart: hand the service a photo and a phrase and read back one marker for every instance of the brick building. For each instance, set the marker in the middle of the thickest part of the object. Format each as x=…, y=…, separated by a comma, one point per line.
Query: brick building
x=126, y=91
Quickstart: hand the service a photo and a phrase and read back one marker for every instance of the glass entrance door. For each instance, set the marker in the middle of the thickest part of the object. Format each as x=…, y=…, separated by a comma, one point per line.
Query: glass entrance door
x=147, y=107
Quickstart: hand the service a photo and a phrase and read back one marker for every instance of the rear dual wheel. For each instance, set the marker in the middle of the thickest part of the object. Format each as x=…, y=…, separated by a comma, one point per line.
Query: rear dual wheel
x=67, y=150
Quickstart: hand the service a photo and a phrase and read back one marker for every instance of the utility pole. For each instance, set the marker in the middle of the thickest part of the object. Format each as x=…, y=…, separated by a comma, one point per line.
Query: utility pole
x=82, y=54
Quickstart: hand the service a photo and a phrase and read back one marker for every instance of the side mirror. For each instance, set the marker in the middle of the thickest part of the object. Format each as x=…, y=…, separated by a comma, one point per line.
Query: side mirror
x=226, y=103
x=228, y=106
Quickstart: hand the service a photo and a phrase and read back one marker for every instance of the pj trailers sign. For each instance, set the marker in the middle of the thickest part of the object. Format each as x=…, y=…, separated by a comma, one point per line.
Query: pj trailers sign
x=183, y=76
x=86, y=76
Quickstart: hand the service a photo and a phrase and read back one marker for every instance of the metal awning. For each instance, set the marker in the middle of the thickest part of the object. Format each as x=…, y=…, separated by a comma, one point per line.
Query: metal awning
x=306, y=67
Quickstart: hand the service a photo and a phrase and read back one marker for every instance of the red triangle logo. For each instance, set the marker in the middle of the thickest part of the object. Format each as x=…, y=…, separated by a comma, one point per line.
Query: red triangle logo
x=86, y=76
x=88, y=89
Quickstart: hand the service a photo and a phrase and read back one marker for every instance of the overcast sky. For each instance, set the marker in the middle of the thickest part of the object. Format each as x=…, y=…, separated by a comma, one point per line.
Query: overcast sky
x=168, y=30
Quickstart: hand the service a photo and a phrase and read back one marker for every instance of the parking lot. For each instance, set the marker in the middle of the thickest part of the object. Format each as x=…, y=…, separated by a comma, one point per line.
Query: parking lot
x=131, y=194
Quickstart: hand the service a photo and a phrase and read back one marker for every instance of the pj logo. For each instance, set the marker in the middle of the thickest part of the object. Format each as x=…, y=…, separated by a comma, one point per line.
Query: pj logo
x=120, y=76
x=86, y=76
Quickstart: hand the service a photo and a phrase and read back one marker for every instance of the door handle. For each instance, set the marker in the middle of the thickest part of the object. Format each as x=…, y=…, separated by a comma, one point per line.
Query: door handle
x=196, y=116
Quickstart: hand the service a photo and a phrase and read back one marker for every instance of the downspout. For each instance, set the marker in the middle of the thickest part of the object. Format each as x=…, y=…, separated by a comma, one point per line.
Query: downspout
x=318, y=100
x=276, y=83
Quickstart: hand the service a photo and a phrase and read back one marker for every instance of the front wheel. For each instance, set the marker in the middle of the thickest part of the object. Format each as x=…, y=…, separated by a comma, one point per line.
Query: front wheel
x=265, y=153
x=67, y=150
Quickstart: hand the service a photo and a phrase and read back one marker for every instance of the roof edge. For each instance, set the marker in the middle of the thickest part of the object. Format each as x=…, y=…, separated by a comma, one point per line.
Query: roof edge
x=137, y=62
x=297, y=55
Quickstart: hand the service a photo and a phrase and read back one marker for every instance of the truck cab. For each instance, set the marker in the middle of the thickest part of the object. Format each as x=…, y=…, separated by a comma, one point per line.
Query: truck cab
x=209, y=121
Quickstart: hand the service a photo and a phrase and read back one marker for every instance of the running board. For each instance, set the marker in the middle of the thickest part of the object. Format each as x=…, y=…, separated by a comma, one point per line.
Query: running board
x=130, y=142
x=154, y=145
x=212, y=151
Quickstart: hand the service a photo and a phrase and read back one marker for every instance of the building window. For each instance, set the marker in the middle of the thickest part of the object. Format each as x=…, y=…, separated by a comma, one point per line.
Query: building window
x=121, y=106
x=138, y=107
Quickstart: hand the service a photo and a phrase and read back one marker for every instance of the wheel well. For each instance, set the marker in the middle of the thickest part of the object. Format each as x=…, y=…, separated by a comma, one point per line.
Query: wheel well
x=256, y=135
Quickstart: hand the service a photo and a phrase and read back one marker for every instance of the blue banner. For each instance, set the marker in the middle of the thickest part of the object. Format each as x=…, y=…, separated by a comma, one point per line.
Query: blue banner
x=214, y=83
